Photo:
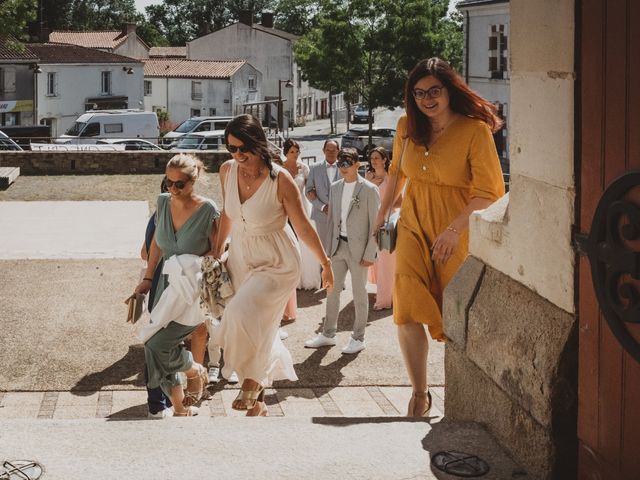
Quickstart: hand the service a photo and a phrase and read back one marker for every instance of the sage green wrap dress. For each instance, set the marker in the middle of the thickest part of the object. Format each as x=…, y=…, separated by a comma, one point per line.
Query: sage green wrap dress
x=165, y=354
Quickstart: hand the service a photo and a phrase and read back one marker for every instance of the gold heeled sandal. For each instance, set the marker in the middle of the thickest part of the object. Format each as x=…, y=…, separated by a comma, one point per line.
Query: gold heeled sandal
x=189, y=412
x=412, y=404
x=196, y=387
x=248, y=399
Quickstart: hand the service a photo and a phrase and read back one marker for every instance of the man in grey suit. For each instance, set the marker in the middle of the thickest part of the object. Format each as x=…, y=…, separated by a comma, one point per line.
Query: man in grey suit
x=354, y=204
x=321, y=176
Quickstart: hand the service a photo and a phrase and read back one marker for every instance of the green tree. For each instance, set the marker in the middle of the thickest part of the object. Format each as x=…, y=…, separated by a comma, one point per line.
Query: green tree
x=296, y=16
x=180, y=21
x=325, y=53
x=450, y=40
x=387, y=39
x=14, y=18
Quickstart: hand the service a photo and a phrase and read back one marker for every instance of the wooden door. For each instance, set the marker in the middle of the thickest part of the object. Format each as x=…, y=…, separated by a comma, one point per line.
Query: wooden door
x=608, y=146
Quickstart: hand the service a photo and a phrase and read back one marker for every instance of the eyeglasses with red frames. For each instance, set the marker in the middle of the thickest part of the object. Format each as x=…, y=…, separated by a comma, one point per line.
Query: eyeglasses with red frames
x=433, y=92
x=235, y=148
x=179, y=184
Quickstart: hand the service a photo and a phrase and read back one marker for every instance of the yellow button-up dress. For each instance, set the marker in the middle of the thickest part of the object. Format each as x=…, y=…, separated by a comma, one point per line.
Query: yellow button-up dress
x=462, y=164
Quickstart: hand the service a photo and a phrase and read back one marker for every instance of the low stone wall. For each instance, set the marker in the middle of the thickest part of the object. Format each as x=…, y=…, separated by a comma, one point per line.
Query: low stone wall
x=511, y=365
x=100, y=163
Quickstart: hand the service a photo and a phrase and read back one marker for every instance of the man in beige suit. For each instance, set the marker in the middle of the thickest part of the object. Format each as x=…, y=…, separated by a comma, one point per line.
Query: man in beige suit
x=353, y=206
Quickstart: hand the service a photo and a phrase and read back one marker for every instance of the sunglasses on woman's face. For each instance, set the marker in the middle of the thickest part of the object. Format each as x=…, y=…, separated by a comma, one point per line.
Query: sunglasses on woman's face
x=180, y=184
x=235, y=148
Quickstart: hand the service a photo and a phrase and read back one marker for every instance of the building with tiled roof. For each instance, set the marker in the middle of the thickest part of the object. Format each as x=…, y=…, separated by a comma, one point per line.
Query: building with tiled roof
x=486, y=60
x=271, y=51
x=188, y=88
x=18, y=66
x=168, y=52
x=125, y=42
x=75, y=79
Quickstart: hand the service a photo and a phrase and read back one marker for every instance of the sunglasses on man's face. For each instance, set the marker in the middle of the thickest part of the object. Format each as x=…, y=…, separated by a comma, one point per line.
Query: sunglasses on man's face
x=235, y=148
x=346, y=162
x=179, y=184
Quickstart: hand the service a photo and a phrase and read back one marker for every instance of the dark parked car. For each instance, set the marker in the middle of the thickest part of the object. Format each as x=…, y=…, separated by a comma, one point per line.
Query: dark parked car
x=358, y=138
x=361, y=114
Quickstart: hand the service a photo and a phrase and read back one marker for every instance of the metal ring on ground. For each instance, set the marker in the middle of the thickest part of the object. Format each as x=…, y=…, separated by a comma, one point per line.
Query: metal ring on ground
x=20, y=470
x=460, y=464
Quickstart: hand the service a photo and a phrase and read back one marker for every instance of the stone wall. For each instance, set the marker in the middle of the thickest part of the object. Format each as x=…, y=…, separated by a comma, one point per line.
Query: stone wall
x=99, y=163
x=511, y=365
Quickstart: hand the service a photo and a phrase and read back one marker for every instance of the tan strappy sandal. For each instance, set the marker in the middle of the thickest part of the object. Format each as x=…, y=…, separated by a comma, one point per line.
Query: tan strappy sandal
x=248, y=398
x=196, y=387
x=412, y=404
x=189, y=412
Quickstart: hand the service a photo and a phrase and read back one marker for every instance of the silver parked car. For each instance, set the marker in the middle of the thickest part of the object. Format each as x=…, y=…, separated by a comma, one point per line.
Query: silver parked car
x=358, y=138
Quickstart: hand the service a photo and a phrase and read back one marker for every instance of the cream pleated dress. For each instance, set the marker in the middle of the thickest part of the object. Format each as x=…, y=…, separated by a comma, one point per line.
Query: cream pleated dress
x=264, y=265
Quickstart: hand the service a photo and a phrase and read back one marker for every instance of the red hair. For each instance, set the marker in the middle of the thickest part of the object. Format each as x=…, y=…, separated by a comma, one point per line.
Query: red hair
x=462, y=100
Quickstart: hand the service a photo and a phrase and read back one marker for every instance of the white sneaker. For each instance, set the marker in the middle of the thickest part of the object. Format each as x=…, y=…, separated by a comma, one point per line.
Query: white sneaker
x=320, y=341
x=354, y=346
x=214, y=374
x=233, y=378
x=283, y=334
x=166, y=413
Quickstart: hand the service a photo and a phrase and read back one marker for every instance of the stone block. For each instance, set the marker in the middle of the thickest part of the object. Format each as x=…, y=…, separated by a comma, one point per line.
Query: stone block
x=523, y=343
x=472, y=396
x=458, y=297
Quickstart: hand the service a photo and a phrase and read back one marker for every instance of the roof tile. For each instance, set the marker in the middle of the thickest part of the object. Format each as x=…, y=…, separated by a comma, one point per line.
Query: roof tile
x=178, y=68
x=62, y=53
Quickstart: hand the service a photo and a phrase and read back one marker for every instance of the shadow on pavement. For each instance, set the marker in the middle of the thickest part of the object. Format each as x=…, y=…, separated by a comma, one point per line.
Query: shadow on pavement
x=117, y=374
x=324, y=378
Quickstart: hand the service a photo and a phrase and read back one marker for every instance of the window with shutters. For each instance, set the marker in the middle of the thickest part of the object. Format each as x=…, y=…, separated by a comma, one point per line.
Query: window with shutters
x=252, y=82
x=498, y=52
x=7, y=80
x=105, y=83
x=196, y=91
x=147, y=88
x=51, y=84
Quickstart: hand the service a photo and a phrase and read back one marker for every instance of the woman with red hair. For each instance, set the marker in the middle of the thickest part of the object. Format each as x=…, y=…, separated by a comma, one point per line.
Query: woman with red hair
x=450, y=168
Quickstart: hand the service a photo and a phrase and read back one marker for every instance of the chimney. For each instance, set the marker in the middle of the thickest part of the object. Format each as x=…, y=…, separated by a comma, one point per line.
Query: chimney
x=246, y=17
x=129, y=27
x=267, y=19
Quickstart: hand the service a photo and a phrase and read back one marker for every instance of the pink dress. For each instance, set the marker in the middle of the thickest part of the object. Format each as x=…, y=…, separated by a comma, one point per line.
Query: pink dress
x=382, y=272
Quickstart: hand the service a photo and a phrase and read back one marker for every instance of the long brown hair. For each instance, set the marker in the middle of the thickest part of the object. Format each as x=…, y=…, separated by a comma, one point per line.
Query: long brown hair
x=247, y=128
x=462, y=100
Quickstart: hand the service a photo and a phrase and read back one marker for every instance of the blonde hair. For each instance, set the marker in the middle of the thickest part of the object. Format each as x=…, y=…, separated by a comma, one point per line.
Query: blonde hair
x=188, y=164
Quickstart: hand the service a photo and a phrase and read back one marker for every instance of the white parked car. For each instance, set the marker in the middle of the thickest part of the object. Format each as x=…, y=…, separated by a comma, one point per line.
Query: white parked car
x=195, y=125
x=130, y=143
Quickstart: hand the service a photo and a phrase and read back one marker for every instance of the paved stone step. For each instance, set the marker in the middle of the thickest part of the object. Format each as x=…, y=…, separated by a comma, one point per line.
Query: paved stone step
x=365, y=401
x=277, y=448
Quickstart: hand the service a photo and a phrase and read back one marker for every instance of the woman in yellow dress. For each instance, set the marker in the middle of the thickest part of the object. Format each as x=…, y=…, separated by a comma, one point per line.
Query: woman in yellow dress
x=450, y=168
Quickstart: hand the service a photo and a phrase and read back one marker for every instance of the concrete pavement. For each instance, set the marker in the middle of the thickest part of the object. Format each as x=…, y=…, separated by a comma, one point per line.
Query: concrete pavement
x=244, y=448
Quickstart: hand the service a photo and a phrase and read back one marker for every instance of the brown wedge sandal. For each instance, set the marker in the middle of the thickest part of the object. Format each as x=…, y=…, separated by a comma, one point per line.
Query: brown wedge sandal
x=412, y=404
x=196, y=387
x=249, y=398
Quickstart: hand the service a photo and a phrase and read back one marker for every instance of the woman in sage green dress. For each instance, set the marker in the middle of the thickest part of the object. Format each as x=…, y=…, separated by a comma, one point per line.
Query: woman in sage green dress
x=186, y=224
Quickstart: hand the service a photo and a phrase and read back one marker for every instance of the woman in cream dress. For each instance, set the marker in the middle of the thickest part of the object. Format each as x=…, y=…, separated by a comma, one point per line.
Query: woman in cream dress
x=263, y=261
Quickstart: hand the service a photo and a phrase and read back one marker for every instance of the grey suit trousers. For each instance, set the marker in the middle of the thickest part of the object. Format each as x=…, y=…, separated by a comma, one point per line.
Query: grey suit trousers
x=342, y=263
x=322, y=227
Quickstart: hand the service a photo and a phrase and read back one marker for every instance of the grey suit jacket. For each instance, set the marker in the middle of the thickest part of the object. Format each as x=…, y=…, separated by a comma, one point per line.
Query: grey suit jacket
x=319, y=182
x=361, y=218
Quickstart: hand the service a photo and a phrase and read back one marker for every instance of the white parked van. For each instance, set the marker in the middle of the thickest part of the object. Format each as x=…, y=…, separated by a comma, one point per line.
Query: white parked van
x=95, y=125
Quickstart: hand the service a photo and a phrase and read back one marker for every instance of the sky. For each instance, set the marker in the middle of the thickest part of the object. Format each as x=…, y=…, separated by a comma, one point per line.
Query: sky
x=140, y=4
